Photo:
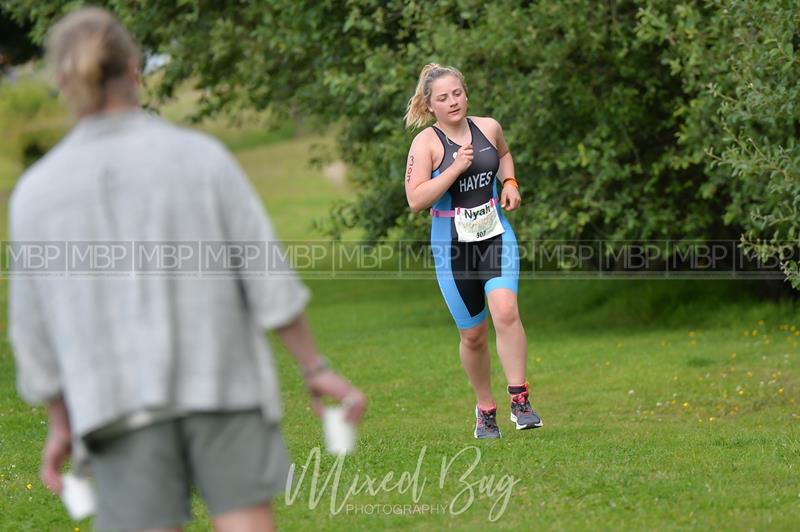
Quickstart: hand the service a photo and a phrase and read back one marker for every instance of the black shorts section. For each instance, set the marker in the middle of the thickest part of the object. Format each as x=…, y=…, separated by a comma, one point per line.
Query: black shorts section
x=474, y=263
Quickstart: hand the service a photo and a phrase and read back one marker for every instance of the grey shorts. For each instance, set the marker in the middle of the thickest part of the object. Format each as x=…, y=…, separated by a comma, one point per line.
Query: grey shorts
x=144, y=478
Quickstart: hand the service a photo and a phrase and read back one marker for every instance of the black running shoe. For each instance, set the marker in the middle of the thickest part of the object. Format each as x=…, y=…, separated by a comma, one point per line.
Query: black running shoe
x=486, y=423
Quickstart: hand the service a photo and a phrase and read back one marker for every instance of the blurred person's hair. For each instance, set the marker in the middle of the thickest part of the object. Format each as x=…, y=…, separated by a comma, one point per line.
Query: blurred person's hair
x=90, y=53
x=417, y=113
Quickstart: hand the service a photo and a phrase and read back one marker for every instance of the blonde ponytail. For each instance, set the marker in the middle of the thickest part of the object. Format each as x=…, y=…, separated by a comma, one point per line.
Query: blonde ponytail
x=417, y=111
x=89, y=50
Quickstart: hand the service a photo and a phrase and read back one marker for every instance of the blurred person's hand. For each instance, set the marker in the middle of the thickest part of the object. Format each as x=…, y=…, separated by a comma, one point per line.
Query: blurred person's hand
x=57, y=447
x=55, y=453
x=328, y=384
x=321, y=381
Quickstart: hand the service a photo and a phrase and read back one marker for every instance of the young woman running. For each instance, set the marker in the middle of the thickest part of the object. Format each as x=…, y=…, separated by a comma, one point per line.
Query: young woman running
x=453, y=167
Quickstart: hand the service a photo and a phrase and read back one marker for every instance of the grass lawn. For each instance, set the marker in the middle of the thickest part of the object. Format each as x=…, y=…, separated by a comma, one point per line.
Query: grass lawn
x=659, y=411
x=667, y=404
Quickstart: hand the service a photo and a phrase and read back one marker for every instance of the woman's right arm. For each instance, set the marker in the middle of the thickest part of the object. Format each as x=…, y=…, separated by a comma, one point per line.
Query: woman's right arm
x=421, y=190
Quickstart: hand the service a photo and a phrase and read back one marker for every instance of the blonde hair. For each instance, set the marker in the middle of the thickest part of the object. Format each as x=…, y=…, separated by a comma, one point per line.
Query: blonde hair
x=417, y=112
x=88, y=51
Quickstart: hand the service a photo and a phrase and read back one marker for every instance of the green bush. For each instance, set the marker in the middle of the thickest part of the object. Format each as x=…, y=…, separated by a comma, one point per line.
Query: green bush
x=738, y=61
x=629, y=119
x=33, y=120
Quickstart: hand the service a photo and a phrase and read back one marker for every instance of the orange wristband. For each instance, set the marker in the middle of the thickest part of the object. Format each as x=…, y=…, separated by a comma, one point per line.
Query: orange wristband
x=511, y=180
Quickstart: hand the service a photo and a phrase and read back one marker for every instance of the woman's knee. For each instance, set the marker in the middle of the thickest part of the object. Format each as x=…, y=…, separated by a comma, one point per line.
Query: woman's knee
x=475, y=338
x=505, y=313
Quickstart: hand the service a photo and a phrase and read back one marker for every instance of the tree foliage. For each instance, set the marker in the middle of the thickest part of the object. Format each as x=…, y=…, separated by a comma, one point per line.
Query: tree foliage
x=628, y=119
x=16, y=46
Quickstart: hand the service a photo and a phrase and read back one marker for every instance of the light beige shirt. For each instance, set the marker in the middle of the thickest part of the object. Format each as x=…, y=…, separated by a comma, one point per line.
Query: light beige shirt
x=140, y=336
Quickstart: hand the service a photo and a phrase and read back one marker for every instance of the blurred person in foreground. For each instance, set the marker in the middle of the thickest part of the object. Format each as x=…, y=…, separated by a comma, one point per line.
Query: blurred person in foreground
x=169, y=382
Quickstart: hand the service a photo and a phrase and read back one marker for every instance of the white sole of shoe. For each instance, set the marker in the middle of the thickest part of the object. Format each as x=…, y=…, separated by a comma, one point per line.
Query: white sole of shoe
x=523, y=427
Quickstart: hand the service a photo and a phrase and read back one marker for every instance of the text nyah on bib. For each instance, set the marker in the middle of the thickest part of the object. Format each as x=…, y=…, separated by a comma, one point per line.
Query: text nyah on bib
x=478, y=223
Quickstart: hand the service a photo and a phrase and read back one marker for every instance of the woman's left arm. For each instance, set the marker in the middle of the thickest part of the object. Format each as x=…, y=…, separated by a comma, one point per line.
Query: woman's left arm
x=510, y=198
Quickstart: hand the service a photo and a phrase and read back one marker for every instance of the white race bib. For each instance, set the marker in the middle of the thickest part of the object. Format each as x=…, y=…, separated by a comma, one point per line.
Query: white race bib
x=478, y=223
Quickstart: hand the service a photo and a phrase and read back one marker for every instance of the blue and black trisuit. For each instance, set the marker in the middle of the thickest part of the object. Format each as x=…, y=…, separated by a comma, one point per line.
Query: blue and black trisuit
x=467, y=271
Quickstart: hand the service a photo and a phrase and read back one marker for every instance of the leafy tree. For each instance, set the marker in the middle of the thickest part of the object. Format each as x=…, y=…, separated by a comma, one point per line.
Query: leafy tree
x=739, y=61
x=15, y=45
x=628, y=119
x=760, y=113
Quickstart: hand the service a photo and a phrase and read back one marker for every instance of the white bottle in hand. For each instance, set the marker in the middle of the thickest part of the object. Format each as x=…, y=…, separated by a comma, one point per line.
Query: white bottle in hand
x=340, y=434
x=78, y=490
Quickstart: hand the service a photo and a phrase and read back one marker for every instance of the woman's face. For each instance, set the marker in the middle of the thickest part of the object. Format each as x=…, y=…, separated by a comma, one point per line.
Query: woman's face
x=448, y=100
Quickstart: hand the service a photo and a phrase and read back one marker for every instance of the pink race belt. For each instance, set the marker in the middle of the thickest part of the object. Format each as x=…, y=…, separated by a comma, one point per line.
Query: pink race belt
x=436, y=213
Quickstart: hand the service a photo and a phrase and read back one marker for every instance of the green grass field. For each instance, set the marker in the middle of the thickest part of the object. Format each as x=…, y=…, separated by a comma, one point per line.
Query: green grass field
x=667, y=404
